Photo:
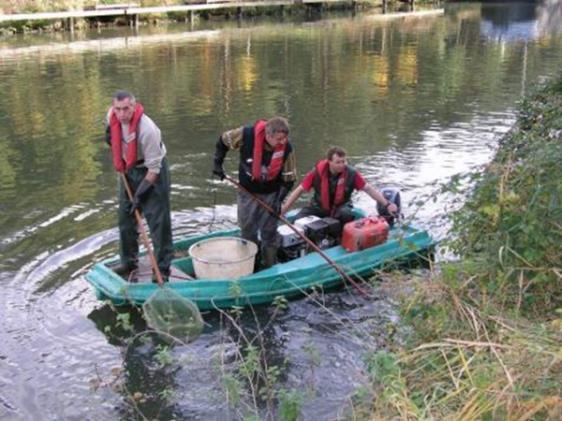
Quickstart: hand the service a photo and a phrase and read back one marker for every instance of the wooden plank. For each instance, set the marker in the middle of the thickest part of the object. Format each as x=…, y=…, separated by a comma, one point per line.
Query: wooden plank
x=62, y=15
x=203, y=7
x=115, y=6
x=407, y=15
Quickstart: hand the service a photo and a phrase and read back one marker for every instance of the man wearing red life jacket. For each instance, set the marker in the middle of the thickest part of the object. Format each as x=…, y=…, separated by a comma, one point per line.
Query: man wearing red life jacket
x=334, y=181
x=267, y=169
x=138, y=152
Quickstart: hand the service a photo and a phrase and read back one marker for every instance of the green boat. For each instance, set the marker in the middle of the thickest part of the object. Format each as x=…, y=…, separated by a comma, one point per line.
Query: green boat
x=289, y=279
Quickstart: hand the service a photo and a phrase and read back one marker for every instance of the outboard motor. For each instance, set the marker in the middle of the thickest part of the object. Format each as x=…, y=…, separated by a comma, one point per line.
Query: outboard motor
x=392, y=195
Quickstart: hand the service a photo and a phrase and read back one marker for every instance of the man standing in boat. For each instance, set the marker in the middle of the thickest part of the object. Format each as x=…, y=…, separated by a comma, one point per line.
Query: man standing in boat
x=139, y=153
x=267, y=169
x=333, y=182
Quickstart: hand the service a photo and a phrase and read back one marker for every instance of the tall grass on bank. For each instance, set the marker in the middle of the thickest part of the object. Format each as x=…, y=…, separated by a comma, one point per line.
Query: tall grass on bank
x=513, y=222
x=486, y=338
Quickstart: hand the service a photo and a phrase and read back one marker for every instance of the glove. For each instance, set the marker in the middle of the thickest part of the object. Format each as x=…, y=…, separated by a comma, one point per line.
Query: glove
x=140, y=195
x=220, y=153
x=281, y=195
x=284, y=191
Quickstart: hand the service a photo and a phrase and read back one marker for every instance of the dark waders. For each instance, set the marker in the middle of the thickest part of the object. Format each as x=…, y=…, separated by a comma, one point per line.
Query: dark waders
x=254, y=219
x=156, y=210
x=344, y=213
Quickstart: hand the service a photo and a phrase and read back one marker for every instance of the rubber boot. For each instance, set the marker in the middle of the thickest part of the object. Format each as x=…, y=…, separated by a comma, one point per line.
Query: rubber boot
x=127, y=272
x=258, y=258
x=257, y=262
x=269, y=257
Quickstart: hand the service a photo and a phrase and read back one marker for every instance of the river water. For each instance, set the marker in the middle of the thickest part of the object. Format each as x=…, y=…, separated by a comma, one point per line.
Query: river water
x=414, y=100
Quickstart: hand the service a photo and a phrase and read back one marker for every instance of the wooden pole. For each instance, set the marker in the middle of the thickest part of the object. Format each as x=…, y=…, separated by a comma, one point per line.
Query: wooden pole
x=144, y=235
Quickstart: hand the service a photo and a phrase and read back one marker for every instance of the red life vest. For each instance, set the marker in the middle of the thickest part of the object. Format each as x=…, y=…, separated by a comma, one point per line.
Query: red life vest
x=117, y=137
x=323, y=172
x=276, y=162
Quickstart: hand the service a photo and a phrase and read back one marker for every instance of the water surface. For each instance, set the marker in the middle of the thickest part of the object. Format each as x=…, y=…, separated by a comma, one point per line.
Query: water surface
x=414, y=100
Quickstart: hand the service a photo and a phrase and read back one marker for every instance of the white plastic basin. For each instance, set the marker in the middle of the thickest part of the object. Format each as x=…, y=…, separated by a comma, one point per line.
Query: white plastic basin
x=223, y=258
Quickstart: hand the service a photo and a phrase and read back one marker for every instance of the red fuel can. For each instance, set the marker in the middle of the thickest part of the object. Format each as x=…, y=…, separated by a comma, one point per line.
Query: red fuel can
x=364, y=233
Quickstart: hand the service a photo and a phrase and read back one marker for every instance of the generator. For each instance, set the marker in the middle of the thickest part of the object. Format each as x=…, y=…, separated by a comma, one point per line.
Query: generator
x=323, y=232
x=289, y=238
x=292, y=244
x=303, y=222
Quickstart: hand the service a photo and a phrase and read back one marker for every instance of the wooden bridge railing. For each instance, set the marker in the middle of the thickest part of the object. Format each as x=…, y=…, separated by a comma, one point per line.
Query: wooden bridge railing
x=132, y=11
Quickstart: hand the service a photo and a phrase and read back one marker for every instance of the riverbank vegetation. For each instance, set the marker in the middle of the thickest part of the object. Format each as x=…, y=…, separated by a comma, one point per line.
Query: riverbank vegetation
x=39, y=6
x=486, y=330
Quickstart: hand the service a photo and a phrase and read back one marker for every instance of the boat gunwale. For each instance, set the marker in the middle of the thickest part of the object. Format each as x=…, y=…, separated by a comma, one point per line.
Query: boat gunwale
x=117, y=289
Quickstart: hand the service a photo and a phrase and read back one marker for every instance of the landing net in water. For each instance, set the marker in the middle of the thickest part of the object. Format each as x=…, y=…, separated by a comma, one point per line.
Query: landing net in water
x=168, y=312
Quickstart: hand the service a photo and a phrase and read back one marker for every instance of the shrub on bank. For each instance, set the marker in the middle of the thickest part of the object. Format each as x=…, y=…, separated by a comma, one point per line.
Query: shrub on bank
x=486, y=330
x=513, y=222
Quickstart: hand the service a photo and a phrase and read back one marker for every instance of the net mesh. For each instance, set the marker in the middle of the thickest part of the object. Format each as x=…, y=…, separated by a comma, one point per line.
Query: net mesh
x=167, y=311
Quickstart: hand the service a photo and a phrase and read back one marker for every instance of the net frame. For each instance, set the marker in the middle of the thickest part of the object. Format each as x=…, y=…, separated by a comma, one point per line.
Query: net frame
x=177, y=317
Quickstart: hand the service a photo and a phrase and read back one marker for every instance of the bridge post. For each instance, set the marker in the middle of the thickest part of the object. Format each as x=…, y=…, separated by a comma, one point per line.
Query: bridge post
x=69, y=24
x=133, y=20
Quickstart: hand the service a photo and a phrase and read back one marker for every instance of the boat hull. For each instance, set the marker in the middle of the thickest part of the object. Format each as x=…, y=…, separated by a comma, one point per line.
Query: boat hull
x=289, y=280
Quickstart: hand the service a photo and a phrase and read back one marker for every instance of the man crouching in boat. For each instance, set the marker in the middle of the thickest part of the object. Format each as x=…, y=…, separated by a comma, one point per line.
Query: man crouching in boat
x=267, y=170
x=139, y=153
x=333, y=182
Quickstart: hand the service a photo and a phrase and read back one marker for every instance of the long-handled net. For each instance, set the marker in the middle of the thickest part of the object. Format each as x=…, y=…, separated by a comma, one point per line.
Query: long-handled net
x=166, y=311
